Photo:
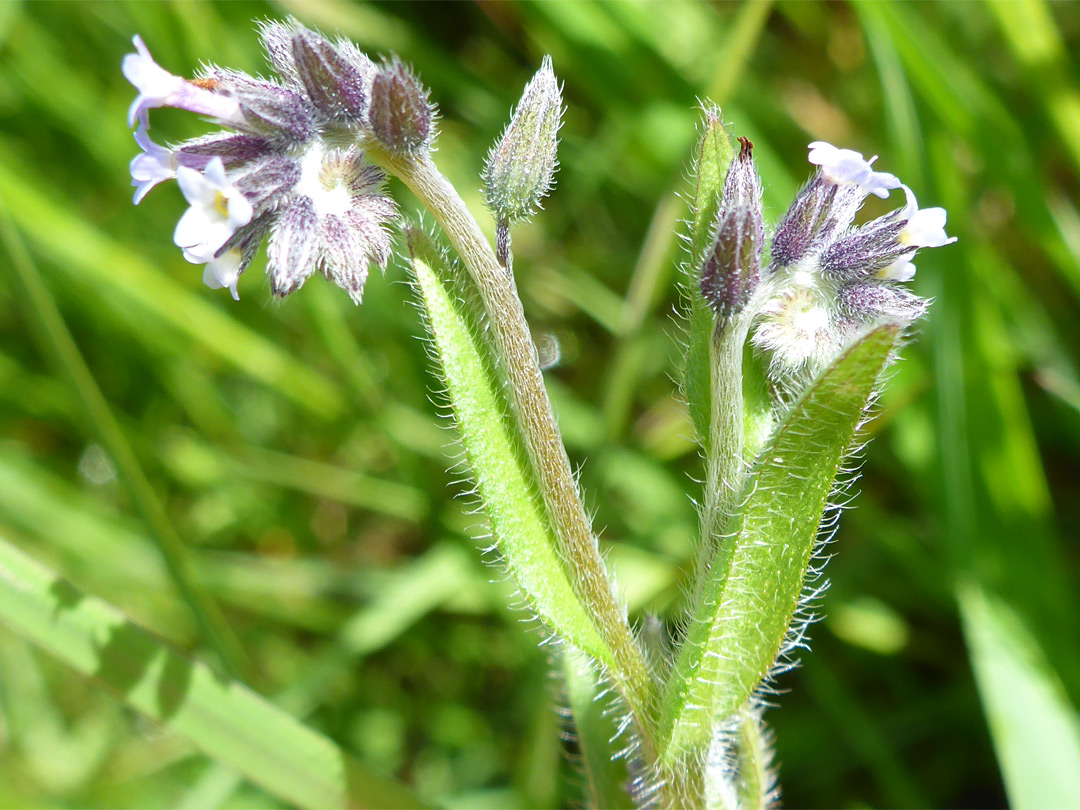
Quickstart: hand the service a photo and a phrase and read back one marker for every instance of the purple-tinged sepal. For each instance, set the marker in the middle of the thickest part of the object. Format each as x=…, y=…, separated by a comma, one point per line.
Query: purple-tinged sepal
x=868, y=304
x=867, y=251
x=337, y=85
x=401, y=115
x=826, y=206
x=233, y=149
x=334, y=221
x=271, y=111
x=883, y=249
x=293, y=247
x=267, y=181
x=277, y=44
x=731, y=269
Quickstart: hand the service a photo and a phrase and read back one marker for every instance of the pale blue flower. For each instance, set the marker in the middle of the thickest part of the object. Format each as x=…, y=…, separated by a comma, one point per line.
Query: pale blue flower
x=847, y=167
x=159, y=88
x=152, y=166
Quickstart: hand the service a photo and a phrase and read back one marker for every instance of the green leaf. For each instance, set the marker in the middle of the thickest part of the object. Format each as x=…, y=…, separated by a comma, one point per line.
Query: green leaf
x=503, y=485
x=745, y=610
x=713, y=158
x=606, y=777
x=755, y=780
x=1036, y=730
x=223, y=718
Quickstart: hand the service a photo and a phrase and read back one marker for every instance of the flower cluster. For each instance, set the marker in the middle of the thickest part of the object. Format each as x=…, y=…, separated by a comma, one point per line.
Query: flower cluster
x=288, y=168
x=826, y=279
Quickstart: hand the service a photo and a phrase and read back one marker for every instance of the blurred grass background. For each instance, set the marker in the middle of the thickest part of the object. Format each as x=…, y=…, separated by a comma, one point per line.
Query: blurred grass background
x=294, y=448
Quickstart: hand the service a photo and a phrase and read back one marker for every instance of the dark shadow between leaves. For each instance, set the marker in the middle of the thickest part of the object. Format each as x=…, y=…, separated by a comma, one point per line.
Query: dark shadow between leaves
x=130, y=653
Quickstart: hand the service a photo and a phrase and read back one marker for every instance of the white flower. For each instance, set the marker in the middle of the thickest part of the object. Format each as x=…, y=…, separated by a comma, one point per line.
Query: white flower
x=224, y=272
x=925, y=227
x=847, y=167
x=153, y=165
x=159, y=88
x=217, y=210
x=900, y=270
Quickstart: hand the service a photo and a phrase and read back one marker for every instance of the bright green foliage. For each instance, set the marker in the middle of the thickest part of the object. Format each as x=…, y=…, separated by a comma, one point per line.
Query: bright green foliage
x=222, y=717
x=503, y=486
x=1038, y=736
x=606, y=780
x=755, y=782
x=740, y=625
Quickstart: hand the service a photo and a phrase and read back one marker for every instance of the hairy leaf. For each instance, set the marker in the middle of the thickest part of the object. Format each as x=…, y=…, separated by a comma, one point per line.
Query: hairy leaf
x=605, y=775
x=516, y=516
x=743, y=616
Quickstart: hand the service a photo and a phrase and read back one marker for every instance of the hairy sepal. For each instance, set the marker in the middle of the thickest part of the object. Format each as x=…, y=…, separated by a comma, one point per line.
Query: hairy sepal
x=503, y=485
x=756, y=581
x=710, y=168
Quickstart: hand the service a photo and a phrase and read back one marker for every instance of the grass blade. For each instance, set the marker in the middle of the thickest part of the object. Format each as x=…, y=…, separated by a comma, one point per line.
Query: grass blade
x=1036, y=731
x=225, y=719
x=57, y=341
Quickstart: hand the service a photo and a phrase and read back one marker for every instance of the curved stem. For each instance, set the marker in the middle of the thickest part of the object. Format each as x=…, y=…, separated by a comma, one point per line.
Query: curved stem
x=517, y=353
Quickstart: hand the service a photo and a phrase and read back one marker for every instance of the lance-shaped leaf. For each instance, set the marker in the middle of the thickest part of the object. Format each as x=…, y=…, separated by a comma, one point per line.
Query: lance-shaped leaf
x=606, y=779
x=505, y=489
x=744, y=613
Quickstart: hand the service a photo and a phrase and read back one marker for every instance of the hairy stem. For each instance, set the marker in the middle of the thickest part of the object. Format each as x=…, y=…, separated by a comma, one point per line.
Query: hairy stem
x=532, y=408
x=725, y=466
x=502, y=245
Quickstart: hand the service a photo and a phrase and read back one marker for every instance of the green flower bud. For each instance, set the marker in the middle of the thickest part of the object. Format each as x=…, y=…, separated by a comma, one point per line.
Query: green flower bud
x=520, y=168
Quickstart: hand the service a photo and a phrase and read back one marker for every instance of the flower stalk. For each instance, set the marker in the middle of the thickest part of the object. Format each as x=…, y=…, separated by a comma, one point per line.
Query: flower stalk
x=520, y=362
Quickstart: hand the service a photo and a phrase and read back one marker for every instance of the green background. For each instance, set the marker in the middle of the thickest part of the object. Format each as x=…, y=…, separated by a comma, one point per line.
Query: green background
x=298, y=454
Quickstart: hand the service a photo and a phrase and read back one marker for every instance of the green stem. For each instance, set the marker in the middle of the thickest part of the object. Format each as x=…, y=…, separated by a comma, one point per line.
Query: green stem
x=725, y=466
x=57, y=340
x=555, y=477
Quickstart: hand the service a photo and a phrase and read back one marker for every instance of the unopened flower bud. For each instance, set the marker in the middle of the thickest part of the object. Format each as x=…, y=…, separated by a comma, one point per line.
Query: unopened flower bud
x=401, y=116
x=335, y=84
x=732, y=267
x=520, y=168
